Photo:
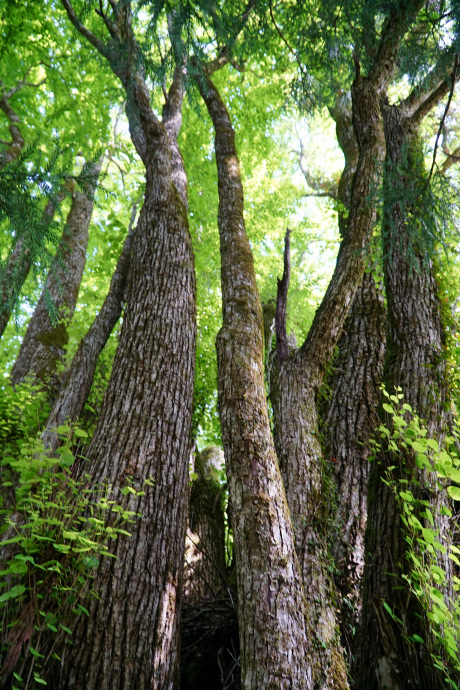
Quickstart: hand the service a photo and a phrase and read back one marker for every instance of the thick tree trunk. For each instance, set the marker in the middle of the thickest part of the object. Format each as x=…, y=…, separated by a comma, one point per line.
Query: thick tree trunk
x=414, y=361
x=131, y=638
x=270, y=597
x=43, y=345
x=350, y=414
x=77, y=381
x=301, y=375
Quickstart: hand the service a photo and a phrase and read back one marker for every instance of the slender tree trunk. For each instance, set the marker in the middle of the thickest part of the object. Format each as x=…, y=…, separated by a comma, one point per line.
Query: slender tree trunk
x=77, y=381
x=131, y=638
x=270, y=597
x=43, y=345
x=19, y=265
x=350, y=415
x=414, y=361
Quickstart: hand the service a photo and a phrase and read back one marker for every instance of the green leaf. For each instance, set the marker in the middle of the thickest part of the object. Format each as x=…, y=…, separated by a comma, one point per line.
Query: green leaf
x=80, y=433
x=454, y=492
x=418, y=447
x=388, y=408
x=429, y=535
x=13, y=593
x=417, y=638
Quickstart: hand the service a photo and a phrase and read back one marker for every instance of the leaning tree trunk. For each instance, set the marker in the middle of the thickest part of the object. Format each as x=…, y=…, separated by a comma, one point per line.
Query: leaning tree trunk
x=301, y=374
x=350, y=414
x=415, y=362
x=19, y=264
x=270, y=597
x=130, y=640
x=77, y=381
x=45, y=339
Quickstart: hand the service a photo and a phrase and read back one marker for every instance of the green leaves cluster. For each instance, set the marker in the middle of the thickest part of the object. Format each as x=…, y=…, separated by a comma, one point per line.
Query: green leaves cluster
x=421, y=473
x=55, y=529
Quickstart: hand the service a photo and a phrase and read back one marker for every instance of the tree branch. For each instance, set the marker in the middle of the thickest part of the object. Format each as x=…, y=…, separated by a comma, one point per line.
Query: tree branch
x=282, y=346
x=82, y=29
x=393, y=32
x=446, y=110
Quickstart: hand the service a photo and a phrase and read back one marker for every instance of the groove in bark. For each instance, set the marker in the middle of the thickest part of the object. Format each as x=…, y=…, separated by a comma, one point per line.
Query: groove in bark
x=350, y=414
x=270, y=597
x=131, y=638
x=43, y=344
x=297, y=432
x=414, y=361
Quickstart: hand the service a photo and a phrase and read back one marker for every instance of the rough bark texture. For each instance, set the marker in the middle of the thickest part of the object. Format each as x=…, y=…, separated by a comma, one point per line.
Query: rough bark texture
x=131, y=638
x=301, y=375
x=350, y=415
x=414, y=361
x=77, y=381
x=350, y=420
x=270, y=597
x=43, y=345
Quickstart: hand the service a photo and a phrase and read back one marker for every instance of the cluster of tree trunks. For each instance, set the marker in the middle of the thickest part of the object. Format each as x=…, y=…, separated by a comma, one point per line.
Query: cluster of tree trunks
x=293, y=612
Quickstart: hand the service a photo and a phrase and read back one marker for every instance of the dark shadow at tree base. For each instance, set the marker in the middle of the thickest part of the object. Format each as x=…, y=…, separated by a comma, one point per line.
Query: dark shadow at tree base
x=210, y=656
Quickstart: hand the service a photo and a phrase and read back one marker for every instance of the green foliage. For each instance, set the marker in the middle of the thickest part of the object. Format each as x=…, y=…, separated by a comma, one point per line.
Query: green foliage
x=55, y=530
x=424, y=477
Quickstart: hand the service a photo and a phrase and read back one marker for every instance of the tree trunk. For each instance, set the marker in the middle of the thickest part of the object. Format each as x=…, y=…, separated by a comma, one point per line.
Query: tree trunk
x=415, y=362
x=270, y=597
x=45, y=339
x=205, y=568
x=19, y=265
x=301, y=374
x=209, y=636
x=77, y=381
x=131, y=638
x=350, y=414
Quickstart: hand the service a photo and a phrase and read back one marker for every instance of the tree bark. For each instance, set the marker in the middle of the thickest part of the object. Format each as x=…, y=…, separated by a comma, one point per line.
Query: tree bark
x=415, y=362
x=350, y=414
x=45, y=339
x=77, y=382
x=205, y=567
x=131, y=638
x=301, y=375
x=270, y=597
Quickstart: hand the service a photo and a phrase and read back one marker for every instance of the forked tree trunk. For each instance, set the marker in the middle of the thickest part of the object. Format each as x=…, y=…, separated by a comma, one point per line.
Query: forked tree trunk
x=270, y=596
x=414, y=361
x=130, y=640
x=350, y=414
x=44, y=341
x=301, y=374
